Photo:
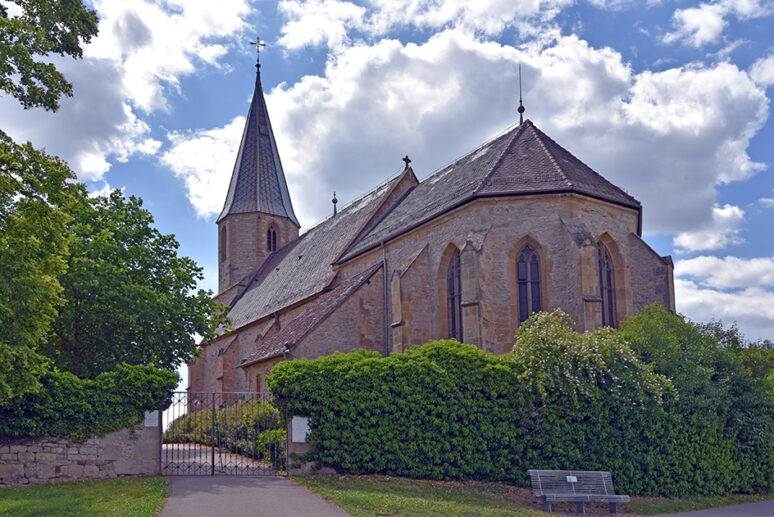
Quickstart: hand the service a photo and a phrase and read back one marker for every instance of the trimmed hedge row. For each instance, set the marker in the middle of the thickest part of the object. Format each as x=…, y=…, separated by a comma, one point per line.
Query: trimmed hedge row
x=561, y=400
x=73, y=408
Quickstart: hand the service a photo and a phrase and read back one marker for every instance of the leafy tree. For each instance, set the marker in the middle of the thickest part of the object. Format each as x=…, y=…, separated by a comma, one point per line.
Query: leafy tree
x=33, y=185
x=130, y=298
x=40, y=28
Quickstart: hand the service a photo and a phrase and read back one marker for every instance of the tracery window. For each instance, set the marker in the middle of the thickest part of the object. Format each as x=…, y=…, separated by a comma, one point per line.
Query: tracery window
x=223, y=243
x=606, y=285
x=271, y=239
x=454, y=297
x=528, y=272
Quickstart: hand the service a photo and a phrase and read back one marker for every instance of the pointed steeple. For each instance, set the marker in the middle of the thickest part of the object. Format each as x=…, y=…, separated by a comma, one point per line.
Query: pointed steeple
x=258, y=181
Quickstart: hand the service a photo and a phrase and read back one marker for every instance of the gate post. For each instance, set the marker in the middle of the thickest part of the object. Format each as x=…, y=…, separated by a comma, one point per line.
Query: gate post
x=212, y=436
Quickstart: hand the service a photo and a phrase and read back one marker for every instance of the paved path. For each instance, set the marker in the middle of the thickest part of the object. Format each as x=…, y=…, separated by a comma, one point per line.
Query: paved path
x=227, y=496
x=761, y=509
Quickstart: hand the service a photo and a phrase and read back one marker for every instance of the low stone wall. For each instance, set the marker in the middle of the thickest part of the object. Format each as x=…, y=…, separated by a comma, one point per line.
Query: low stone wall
x=30, y=461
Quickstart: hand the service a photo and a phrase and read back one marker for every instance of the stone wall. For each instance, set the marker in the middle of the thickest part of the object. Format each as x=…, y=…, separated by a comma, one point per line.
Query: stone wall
x=33, y=461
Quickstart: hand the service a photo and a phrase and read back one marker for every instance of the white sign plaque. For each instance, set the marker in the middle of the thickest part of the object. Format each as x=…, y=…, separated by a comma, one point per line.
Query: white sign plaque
x=151, y=418
x=572, y=479
x=299, y=429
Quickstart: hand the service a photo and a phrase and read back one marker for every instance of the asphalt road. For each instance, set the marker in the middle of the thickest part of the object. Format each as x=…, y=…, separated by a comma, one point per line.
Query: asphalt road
x=227, y=496
x=761, y=509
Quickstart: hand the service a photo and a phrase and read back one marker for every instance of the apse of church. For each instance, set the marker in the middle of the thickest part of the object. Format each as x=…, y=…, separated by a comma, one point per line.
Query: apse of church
x=516, y=226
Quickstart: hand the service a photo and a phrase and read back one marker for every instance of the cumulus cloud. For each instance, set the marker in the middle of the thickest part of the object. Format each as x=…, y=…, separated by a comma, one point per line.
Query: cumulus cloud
x=329, y=22
x=762, y=71
x=204, y=159
x=728, y=288
x=666, y=137
x=699, y=26
x=92, y=127
x=719, y=232
x=728, y=272
x=752, y=308
x=143, y=48
x=158, y=42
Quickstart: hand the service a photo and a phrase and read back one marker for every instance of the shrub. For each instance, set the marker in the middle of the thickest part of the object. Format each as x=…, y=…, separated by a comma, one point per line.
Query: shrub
x=76, y=409
x=622, y=401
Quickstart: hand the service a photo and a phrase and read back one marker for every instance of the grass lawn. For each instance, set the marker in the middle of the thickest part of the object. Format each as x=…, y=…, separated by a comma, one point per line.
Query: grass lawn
x=136, y=497
x=378, y=496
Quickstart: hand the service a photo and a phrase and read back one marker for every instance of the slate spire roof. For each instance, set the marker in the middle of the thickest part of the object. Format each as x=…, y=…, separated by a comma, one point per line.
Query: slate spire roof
x=258, y=181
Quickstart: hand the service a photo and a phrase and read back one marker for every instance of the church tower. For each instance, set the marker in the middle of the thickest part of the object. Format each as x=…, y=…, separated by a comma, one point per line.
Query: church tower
x=257, y=218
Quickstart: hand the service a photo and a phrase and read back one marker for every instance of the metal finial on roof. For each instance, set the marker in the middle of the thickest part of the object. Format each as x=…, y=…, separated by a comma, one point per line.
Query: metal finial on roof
x=334, y=200
x=407, y=160
x=521, y=106
x=258, y=45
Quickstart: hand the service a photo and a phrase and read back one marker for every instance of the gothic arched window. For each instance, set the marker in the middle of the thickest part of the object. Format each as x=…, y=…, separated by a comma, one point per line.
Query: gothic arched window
x=223, y=244
x=271, y=239
x=528, y=274
x=454, y=297
x=606, y=285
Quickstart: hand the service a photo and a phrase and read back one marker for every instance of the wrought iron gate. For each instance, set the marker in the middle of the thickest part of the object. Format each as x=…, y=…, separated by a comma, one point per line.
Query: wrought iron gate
x=225, y=433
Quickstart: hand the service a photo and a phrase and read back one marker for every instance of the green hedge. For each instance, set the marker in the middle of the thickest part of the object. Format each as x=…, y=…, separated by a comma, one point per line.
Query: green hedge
x=76, y=409
x=561, y=400
x=252, y=428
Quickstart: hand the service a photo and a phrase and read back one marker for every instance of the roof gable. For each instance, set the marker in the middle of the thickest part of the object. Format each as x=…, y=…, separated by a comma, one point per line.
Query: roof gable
x=521, y=161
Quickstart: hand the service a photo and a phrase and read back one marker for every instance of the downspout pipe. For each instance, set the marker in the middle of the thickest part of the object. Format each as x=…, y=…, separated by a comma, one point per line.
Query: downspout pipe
x=387, y=347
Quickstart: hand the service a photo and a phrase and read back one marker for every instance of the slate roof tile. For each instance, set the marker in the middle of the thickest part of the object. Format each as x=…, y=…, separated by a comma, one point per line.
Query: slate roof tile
x=315, y=313
x=523, y=160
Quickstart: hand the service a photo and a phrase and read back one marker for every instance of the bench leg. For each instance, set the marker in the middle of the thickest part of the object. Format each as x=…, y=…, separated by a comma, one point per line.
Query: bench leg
x=613, y=507
x=581, y=508
x=546, y=505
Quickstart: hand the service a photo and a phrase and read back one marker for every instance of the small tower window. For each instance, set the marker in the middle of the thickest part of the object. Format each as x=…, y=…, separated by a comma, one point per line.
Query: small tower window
x=223, y=244
x=271, y=239
x=454, y=297
x=606, y=285
x=528, y=271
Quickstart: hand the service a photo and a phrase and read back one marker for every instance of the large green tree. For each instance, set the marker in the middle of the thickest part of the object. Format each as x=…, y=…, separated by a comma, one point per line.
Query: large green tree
x=31, y=30
x=33, y=188
x=130, y=298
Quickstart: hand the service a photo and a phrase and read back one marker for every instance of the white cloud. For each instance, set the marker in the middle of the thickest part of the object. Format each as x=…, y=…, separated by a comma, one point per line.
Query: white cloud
x=157, y=42
x=143, y=47
x=92, y=127
x=699, y=26
x=762, y=71
x=667, y=137
x=752, y=307
x=204, y=158
x=329, y=22
x=721, y=231
x=767, y=202
x=315, y=22
x=728, y=272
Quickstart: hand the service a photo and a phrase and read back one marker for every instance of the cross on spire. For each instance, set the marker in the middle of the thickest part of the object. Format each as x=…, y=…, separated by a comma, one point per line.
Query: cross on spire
x=258, y=45
x=521, y=106
x=407, y=160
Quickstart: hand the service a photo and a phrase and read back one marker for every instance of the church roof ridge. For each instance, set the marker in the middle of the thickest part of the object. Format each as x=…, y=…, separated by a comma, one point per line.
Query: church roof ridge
x=522, y=160
x=258, y=180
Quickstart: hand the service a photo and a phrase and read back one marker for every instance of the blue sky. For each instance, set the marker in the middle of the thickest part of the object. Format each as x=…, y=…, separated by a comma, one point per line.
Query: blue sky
x=670, y=100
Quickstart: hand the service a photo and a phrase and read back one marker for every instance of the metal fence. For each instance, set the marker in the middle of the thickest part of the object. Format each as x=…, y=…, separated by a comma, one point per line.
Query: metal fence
x=227, y=433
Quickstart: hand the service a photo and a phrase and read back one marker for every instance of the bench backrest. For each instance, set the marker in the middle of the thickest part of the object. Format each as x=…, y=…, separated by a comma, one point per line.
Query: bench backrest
x=571, y=482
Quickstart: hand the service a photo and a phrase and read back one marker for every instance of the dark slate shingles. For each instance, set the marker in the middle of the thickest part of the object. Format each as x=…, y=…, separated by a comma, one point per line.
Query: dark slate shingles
x=521, y=161
x=304, y=267
x=314, y=314
x=258, y=181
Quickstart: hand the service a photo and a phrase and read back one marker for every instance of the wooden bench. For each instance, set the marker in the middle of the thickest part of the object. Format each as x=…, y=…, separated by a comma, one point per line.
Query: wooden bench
x=575, y=485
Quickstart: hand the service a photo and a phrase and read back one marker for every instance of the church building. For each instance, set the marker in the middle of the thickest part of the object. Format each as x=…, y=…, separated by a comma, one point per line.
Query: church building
x=515, y=226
